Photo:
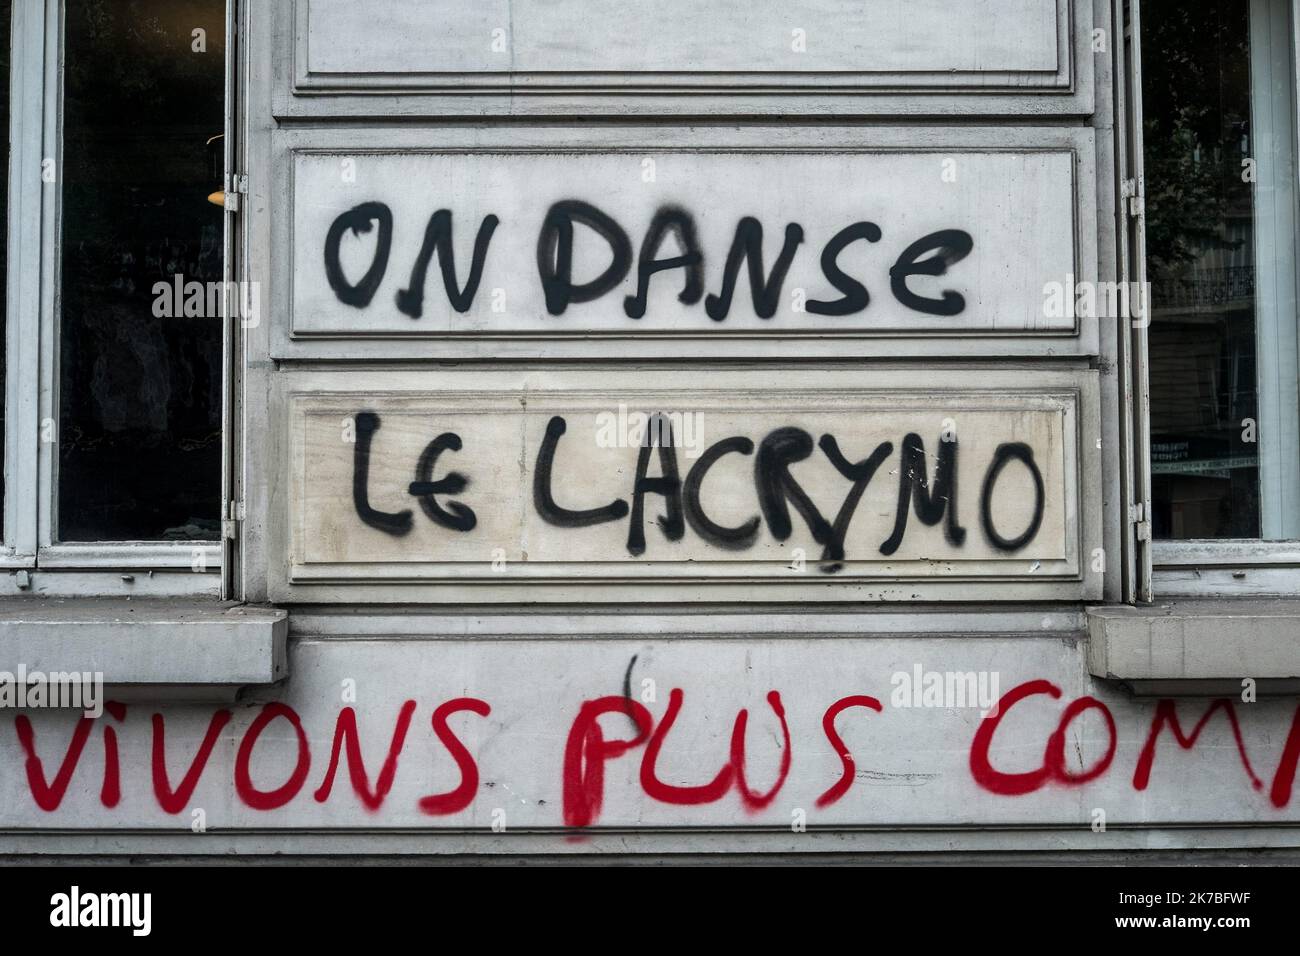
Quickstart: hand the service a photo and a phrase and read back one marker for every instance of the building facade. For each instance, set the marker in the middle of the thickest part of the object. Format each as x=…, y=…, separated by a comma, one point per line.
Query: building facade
x=583, y=428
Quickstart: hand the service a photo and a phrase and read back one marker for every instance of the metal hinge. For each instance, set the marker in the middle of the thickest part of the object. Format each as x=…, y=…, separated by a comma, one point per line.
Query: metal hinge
x=1131, y=190
x=236, y=185
x=1141, y=522
x=234, y=518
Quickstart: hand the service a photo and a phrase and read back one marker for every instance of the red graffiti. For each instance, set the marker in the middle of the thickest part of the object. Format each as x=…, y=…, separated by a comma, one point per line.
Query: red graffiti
x=584, y=776
x=841, y=786
x=1053, y=768
x=587, y=751
x=48, y=796
x=271, y=799
x=345, y=735
x=981, y=768
x=1284, y=778
x=757, y=801
x=174, y=801
x=656, y=789
x=110, y=793
x=1167, y=714
x=1054, y=758
x=598, y=736
x=453, y=801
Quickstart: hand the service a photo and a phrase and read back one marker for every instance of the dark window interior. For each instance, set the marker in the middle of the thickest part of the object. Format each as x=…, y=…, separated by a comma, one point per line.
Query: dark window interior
x=140, y=394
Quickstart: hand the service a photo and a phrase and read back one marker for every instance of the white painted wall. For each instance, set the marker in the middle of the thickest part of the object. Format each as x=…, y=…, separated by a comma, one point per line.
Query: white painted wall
x=1035, y=188
x=918, y=761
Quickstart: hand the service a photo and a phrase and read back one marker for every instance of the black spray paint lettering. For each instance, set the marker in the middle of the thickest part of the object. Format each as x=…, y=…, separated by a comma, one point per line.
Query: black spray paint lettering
x=860, y=474
x=931, y=256
x=738, y=538
x=678, y=221
x=456, y=516
x=357, y=220
x=668, y=484
x=555, y=254
x=765, y=292
x=914, y=488
x=395, y=523
x=933, y=499
x=1011, y=451
x=855, y=296
x=776, y=486
x=544, y=500
x=949, y=246
x=425, y=488
x=437, y=237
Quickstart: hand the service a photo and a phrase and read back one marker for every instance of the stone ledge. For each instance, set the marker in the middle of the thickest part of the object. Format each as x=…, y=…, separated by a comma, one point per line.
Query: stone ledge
x=1198, y=647
x=154, y=648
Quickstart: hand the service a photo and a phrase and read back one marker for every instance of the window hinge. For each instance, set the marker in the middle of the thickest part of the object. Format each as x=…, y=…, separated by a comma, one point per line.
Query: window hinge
x=1131, y=189
x=237, y=186
x=234, y=518
x=1141, y=522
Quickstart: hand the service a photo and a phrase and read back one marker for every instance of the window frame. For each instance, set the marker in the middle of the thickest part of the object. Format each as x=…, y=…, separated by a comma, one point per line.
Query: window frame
x=87, y=569
x=23, y=231
x=1204, y=567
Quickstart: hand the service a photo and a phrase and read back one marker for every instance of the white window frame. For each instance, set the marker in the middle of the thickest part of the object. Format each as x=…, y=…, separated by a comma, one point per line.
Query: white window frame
x=1231, y=567
x=36, y=561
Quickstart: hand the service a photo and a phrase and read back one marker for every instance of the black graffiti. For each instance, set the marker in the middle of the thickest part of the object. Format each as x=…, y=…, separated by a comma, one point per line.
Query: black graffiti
x=668, y=484
x=555, y=254
x=914, y=487
x=544, y=501
x=765, y=292
x=456, y=516
x=855, y=297
x=949, y=246
x=931, y=255
x=777, y=487
x=933, y=498
x=437, y=237
x=395, y=523
x=732, y=539
x=358, y=220
x=679, y=221
x=1005, y=453
x=860, y=473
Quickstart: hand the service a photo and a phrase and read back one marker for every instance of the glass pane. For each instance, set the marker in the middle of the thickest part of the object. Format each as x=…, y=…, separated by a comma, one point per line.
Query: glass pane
x=1218, y=135
x=140, y=374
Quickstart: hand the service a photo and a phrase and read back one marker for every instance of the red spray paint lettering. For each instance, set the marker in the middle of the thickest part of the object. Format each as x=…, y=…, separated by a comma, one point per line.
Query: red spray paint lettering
x=453, y=801
x=591, y=746
x=345, y=735
x=174, y=801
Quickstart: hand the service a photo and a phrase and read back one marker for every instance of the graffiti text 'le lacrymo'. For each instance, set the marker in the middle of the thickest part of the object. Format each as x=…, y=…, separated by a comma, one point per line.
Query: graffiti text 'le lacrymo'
x=930, y=494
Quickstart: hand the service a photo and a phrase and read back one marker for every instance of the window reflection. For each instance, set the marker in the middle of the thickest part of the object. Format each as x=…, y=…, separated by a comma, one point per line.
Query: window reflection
x=1202, y=224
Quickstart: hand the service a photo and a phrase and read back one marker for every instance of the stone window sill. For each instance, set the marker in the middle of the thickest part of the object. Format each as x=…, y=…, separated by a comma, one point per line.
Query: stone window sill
x=147, y=648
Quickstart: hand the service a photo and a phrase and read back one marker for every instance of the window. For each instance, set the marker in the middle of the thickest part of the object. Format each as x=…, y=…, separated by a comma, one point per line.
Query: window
x=139, y=376
x=116, y=326
x=1219, y=149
